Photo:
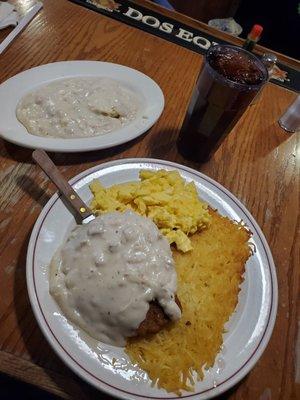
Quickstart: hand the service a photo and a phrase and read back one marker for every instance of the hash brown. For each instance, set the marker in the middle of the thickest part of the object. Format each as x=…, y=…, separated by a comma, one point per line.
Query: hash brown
x=209, y=279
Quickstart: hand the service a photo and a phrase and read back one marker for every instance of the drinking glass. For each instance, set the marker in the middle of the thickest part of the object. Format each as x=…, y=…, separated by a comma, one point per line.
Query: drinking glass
x=229, y=80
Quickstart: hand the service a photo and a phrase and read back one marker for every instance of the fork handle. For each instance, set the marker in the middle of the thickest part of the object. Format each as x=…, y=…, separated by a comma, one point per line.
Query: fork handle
x=77, y=204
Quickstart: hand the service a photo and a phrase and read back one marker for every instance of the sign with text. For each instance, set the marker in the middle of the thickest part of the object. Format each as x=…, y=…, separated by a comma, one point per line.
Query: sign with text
x=177, y=32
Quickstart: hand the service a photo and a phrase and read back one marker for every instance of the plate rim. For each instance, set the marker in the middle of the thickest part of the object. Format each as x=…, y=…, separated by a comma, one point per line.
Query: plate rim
x=223, y=386
x=74, y=145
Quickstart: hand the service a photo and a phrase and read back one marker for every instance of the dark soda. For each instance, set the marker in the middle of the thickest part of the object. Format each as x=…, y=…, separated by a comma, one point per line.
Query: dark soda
x=230, y=79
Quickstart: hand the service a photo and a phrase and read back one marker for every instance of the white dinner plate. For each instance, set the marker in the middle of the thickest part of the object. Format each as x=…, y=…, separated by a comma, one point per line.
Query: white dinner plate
x=12, y=90
x=249, y=328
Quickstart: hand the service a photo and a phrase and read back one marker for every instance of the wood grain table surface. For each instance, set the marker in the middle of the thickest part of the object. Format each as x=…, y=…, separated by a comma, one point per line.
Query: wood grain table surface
x=258, y=162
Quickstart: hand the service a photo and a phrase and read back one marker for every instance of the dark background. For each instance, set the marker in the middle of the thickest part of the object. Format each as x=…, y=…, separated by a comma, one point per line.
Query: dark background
x=280, y=19
x=281, y=22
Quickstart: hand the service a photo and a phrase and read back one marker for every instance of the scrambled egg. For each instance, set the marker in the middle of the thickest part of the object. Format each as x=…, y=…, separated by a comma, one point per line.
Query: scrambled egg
x=164, y=196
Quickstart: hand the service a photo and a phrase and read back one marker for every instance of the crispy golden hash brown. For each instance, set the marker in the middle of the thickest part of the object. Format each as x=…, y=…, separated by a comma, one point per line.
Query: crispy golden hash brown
x=209, y=277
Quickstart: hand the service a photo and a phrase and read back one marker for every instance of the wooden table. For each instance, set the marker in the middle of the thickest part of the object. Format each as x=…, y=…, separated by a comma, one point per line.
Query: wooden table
x=258, y=162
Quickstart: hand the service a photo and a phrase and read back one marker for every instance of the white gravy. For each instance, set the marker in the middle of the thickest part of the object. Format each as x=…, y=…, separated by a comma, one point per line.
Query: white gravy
x=78, y=107
x=108, y=271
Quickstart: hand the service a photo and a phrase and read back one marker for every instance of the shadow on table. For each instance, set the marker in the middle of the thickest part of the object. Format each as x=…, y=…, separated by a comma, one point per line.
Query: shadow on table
x=22, y=154
x=12, y=389
x=39, y=194
x=163, y=144
x=274, y=140
x=33, y=189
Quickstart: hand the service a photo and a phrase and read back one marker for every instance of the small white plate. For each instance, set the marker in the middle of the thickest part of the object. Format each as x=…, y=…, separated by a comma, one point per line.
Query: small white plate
x=12, y=90
x=249, y=328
